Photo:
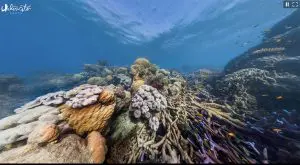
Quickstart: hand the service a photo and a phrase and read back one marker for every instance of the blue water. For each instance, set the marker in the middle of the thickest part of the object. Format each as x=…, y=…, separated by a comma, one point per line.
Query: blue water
x=61, y=35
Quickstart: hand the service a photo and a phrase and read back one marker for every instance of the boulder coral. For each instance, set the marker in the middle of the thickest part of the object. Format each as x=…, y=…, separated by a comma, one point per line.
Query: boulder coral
x=141, y=70
x=97, y=146
x=44, y=134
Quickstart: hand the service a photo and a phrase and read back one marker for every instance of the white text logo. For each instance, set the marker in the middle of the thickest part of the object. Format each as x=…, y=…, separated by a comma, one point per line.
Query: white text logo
x=15, y=9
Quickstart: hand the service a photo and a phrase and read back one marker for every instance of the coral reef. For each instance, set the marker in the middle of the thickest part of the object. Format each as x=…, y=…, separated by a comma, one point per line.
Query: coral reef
x=203, y=117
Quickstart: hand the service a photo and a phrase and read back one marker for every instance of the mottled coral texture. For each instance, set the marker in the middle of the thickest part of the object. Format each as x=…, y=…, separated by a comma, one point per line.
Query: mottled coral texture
x=146, y=102
x=83, y=95
x=141, y=70
x=43, y=134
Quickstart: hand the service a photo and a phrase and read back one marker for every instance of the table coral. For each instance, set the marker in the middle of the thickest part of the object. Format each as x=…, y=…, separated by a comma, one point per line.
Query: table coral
x=51, y=99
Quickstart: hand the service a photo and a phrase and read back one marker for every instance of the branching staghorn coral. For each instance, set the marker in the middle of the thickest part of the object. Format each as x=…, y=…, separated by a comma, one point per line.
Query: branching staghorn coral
x=190, y=135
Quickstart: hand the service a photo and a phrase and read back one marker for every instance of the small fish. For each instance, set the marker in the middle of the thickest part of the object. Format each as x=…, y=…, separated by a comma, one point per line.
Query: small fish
x=277, y=130
x=279, y=121
x=264, y=95
x=279, y=97
x=199, y=114
x=231, y=134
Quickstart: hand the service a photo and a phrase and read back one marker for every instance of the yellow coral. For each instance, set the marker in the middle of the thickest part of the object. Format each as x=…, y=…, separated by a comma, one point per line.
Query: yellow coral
x=107, y=97
x=97, y=146
x=87, y=119
x=136, y=84
x=141, y=71
x=90, y=118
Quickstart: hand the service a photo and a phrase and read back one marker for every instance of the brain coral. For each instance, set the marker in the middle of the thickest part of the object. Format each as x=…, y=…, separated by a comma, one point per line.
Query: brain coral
x=142, y=69
x=146, y=102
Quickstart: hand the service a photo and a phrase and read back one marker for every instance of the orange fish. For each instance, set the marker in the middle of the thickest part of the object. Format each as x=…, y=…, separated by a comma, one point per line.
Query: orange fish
x=279, y=97
x=277, y=130
x=231, y=134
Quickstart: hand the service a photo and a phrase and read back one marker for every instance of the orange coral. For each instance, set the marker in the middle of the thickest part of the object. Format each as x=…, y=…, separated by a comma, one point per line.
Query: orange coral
x=87, y=119
x=43, y=134
x=107, y=97
x=50, y=133
x=97, y=146
x=93, y=117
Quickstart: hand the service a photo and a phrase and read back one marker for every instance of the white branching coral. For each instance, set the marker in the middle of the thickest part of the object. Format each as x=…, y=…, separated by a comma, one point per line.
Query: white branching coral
x=83, y=95
x=146, y=102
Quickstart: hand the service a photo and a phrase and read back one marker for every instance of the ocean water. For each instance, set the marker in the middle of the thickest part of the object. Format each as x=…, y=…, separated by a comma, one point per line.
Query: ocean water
x=60, y=36
x=241, y=54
